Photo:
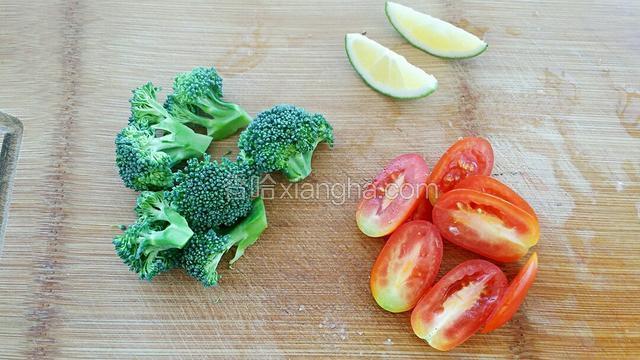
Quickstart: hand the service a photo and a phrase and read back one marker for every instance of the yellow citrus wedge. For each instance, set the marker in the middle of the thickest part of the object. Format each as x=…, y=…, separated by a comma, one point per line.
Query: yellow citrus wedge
x=435, y=36
x=386, y=71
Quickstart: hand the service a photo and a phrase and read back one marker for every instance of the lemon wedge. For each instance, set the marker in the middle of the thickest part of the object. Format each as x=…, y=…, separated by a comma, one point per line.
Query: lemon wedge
x=435, y=36
x=386, y=71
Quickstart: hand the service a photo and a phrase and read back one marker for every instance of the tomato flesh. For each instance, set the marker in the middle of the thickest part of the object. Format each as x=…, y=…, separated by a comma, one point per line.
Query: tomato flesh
x=392, y=196
x=491, y=186
x=468, y=156
x=458, y=305
x=407, y=266
x=513, y=296
x=485, y=224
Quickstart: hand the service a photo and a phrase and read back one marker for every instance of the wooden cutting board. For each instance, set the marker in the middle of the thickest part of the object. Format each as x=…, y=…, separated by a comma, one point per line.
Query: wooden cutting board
x=557, y=94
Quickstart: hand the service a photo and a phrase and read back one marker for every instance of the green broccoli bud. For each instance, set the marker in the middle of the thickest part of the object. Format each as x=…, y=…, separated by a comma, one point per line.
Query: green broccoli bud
x=197, y=99
x=204, y=251
x=145, y=162
x=283, y=139
x=145, y=108
x=150, y=246
x=142, y=166
x=210, y=194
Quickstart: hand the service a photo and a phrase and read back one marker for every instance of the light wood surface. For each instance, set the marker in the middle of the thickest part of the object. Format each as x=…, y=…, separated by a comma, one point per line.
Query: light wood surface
x=557, y=94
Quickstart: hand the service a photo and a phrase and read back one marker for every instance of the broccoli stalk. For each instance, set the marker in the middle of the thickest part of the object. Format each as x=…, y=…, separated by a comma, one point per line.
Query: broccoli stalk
x=247, y=232
x=155, y=207
x=180, y=142
x=204, y=252
x=283, y=139
x=197, y=99
x=298, y=166
x=150, y=246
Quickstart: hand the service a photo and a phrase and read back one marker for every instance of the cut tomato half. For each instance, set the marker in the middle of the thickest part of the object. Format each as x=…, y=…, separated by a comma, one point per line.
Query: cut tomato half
x=513, y=296
x=407, y=266
x=392, y=196
x=491, y=186
x=485, y=224
x=422, y=211
x=458, y=305
x=468, y=156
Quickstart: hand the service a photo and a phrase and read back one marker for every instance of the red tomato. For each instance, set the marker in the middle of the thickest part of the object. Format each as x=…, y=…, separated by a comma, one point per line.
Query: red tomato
x=468, y=156
x=458, y=305
x=491, y=186
x=392, y=196
x=485, y=224
x=407, y=266
x=513, y=296
x=424, y=208
x=423, y=211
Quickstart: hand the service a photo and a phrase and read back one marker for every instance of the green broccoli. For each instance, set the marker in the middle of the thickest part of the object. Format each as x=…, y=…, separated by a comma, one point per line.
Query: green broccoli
x=151, y=245
x=283, y=138
x=145, y=162
x=210, y=194
x=197, y=99
x=201, y=256
x=145, y=108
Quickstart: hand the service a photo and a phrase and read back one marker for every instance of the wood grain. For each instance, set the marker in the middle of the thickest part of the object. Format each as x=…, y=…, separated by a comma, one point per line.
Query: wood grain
x=557, y=94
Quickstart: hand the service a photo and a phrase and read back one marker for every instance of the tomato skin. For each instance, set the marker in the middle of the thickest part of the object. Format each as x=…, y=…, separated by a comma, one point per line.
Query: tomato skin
x=466, y=157
x=513, y=296
x=406, y=266
x=491, y=186
x=392, y=196
x=458, y=305
x=485, y=224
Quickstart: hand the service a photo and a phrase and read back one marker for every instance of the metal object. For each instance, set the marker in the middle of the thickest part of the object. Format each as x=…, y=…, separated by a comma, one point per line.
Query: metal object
x=10, y=137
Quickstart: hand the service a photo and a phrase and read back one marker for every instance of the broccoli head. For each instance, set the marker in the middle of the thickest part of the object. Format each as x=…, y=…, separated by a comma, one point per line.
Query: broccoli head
x=283, y=138
x=141, y=165
x=145, y=108
x=151, y=245
x=211, y=194
x=197, y=99
x=145, y=162
x=201, y=256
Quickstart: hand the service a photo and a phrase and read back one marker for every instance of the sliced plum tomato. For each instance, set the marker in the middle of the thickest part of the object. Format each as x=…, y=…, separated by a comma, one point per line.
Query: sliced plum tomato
x=491, y=186
x=458, y=305
x=422, y=211
x=468, y=156
x=407, y=266
x=513, y=296
x=392, y=196
x=485, y=224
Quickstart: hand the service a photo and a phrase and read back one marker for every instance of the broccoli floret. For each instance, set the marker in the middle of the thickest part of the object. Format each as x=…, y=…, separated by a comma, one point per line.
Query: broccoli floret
x=145, y=162
x=197, y=99
x=204, y=251
x=141, y=165
x=146, y=111
x=145, y=108
x=151, y=245
x=283, y=138
x=211, y=194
